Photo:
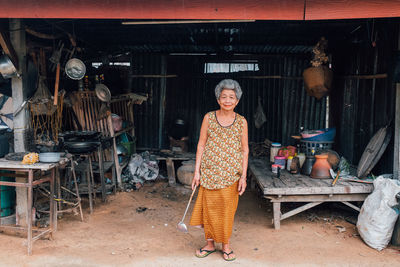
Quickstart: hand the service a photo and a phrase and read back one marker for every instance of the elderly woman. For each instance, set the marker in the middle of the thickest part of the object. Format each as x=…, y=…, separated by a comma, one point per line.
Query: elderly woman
x=221, y=167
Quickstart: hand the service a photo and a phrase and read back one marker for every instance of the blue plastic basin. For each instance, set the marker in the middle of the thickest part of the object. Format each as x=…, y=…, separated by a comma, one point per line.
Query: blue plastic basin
x=328, y=135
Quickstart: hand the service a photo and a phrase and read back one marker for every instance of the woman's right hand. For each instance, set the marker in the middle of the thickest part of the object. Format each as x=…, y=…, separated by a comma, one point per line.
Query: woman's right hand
x=196, y=180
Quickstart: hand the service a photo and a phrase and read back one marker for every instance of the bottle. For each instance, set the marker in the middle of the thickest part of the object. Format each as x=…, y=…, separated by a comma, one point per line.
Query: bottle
x=302, y=158
x=289, y=162
x=274, y=151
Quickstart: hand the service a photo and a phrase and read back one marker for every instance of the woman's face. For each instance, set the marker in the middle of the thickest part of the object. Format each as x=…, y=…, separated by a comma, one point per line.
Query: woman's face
x=228, y=100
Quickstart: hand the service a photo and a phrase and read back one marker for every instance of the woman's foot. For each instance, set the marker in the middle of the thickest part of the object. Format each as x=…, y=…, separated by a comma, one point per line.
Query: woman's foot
x=227, y=253
x=206, y=250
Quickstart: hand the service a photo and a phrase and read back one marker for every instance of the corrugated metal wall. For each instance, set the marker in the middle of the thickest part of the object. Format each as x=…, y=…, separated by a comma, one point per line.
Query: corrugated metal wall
x=357, y=110
x=147, y=115
x=361, y=106
x=284, y=100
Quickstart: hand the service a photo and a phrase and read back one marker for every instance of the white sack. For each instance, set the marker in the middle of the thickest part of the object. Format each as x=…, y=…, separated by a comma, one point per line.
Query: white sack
x=378, y=216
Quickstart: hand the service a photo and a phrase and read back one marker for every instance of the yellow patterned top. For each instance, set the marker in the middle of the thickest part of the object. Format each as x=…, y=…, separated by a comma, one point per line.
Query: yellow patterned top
x=221, y=163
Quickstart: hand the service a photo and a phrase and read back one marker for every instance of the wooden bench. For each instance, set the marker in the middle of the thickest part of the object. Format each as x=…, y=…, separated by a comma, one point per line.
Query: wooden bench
x=169, y=160
x=300, y=188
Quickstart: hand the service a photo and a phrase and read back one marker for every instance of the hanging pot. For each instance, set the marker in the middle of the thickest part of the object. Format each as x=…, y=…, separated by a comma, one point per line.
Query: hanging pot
x=318, y=81
x=7, y=68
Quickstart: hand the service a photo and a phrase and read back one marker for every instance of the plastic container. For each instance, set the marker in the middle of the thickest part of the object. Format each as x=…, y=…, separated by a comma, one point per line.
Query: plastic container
x=130, y=146
x=302, y=158
x=289, y=162
x=307, y=147
x=274, y=168
x=7, y=197
x=274, y=151
x=281, y=161
x=325, y=135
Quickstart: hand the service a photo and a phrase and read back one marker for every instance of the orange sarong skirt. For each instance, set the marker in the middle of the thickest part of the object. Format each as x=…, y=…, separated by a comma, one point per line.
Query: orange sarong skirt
x=215, y=210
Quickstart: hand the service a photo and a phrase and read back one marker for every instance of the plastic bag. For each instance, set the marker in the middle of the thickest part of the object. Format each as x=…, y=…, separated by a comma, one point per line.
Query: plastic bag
x=379, y=213
x=259, y=116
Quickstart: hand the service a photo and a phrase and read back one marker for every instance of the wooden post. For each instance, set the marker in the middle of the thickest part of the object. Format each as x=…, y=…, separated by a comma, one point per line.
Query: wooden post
x=171, y=172
x=18, y=85
x=396, y=159
x=277, y=215
x=163, y=84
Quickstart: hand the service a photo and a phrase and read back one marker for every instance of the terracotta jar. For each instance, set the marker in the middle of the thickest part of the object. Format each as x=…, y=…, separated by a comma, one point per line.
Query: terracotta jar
x=321, y=167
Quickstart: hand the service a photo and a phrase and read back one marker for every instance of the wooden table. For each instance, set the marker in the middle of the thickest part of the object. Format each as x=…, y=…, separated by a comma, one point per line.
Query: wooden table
x=301, y=188
x=35, y=174
x=169, y=160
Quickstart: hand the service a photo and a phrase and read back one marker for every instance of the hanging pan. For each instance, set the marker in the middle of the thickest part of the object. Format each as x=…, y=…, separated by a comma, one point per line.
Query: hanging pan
x=75, y=69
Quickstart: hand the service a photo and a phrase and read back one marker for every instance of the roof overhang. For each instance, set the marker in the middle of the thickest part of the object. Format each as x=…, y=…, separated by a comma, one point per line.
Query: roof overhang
x=201, y=9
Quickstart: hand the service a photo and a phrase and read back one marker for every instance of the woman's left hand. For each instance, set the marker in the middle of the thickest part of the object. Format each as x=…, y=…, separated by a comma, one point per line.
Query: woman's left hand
x=242, y=185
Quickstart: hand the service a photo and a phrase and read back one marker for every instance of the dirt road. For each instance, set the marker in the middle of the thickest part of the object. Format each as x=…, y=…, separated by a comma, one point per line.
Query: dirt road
x=138, y=228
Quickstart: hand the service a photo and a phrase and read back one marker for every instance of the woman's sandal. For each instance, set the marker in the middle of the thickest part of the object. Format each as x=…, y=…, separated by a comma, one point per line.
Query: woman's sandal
x=227, y=254
x=208, y=252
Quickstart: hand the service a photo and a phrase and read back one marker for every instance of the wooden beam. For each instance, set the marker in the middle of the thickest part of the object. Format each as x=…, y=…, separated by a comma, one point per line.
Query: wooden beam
x=299, y=209
x=9, y=49
x=396, y=156
x=155, y=9
x=366, y=77
x=154, y=76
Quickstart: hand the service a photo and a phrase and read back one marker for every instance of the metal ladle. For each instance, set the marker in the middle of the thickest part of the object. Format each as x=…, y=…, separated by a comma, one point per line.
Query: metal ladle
x=181, y=225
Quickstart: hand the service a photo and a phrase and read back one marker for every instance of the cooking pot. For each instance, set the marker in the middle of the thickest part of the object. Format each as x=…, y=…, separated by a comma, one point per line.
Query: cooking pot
x=7, y=68
x=80, y=147
x=80, y=136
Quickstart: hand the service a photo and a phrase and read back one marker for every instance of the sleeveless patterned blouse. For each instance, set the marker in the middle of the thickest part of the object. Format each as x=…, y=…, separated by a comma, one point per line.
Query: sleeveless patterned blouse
x=221, y=163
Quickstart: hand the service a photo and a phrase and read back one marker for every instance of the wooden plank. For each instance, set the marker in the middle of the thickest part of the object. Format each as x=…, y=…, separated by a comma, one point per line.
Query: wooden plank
x=299, y=209
x=273, y=186
x=396, y=156
x=351, y=9
x=317, y=190
x=317, y=198
x=5, y=43
x=351, y=206
x=277, y=215
x=171, y=172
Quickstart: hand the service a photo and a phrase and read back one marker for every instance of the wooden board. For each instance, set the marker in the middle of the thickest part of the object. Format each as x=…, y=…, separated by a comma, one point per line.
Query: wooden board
x=10, y=164
x=289, y=184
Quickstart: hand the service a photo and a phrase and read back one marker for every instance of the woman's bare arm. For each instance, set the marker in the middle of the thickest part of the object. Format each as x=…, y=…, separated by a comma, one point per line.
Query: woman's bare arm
x=245, y=152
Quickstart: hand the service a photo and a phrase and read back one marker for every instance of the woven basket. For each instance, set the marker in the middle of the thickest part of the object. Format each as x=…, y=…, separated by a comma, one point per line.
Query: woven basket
x=318, y=81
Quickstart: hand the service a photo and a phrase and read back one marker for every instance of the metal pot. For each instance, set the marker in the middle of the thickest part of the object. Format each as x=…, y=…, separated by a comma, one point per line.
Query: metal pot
x=49, y=157
x=7, y=68
x=80, y=147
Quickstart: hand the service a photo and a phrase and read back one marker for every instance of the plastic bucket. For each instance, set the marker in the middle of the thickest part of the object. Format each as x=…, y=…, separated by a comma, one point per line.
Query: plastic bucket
x=7, y=197
x=130, y=146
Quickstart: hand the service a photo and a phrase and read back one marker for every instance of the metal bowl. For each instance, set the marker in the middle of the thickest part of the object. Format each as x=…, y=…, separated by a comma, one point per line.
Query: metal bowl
x=7, y=68
x=75, y=69
x=49, y=157
x=103, y=93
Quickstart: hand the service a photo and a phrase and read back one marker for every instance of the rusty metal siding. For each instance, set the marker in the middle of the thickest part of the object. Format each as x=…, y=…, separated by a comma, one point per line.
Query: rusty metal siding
x=285, y=102
x=358, y=109
x=147, y=115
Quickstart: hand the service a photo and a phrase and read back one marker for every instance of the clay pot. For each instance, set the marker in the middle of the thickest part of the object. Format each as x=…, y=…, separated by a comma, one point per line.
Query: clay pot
x=321, y=167
x=185, y=172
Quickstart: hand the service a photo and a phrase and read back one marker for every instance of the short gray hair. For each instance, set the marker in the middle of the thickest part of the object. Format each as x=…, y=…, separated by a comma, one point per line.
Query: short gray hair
x=228, y=84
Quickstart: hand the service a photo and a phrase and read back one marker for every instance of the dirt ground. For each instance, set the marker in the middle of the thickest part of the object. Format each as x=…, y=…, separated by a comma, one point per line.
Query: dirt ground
x=122, y=232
